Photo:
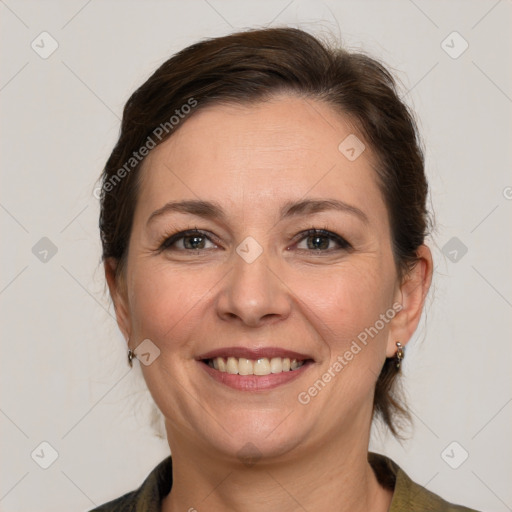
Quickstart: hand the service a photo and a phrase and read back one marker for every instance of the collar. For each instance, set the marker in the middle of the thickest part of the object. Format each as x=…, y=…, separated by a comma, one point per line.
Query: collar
x=407, y=495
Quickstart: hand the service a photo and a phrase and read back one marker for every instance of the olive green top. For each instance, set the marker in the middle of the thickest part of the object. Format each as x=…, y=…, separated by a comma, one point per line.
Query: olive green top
x=407, y=496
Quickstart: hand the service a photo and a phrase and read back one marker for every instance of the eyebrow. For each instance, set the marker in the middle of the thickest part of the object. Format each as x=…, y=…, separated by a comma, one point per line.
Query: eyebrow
x=213, y=210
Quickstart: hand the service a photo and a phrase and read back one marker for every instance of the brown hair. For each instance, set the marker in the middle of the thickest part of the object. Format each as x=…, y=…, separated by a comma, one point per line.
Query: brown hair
x=254, y=65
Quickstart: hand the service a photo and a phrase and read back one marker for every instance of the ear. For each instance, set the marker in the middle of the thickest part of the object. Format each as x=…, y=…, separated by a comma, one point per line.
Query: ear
x=411, y=296
x=117, y=288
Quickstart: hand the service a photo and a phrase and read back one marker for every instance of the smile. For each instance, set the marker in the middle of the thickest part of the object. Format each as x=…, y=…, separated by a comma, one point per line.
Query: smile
x=256, y=368
x=261, y=366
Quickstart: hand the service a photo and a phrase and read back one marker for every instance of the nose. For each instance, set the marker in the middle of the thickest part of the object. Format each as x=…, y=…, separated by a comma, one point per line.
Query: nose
x=253, y=294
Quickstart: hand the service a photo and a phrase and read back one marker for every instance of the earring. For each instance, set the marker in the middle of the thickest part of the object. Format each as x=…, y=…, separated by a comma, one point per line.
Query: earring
x=399, y=354
x=131, y=356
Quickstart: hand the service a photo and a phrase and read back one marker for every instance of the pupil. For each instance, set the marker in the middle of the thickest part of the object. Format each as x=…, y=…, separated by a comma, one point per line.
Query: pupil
x=321, y=245
x=195, y=239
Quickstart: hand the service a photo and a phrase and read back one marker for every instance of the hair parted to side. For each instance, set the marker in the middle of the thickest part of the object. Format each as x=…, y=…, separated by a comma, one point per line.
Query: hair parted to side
x=255, y=65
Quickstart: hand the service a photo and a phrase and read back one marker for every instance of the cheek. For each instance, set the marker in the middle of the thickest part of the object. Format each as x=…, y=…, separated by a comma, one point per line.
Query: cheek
x=165, y=302
x=346, y=301
x=348, y=307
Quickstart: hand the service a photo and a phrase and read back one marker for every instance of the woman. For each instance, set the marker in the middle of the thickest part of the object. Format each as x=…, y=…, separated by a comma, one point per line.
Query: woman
x=263, y=221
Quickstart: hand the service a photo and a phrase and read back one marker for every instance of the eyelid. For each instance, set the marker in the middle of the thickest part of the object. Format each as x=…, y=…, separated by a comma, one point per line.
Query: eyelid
x=343, y=243
x=168, y=240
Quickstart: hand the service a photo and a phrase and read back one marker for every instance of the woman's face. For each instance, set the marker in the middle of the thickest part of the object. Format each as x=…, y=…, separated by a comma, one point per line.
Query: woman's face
x=255, y=287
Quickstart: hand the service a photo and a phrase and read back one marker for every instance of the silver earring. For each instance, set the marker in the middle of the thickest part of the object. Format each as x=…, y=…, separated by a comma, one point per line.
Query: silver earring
x=131, y=356
x=399, y=354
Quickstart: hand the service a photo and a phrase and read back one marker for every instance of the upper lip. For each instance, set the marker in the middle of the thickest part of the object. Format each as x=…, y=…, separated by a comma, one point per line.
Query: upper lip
x=254, y=353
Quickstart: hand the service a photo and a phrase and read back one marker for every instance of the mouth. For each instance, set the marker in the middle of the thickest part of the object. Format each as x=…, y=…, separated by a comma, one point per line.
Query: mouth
x=261, y=366
x=253, y=370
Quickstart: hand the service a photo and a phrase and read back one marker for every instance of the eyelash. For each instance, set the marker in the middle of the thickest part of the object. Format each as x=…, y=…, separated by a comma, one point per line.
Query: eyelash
x=168, y=240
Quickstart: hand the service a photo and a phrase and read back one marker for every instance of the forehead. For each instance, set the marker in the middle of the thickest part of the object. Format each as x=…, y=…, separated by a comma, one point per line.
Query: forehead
x=282, y=149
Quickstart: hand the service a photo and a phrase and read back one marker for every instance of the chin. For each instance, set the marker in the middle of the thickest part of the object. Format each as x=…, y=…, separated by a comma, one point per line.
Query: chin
x=258, y=437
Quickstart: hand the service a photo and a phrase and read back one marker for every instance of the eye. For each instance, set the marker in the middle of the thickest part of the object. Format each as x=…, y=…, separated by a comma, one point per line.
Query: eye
x=316, y=240
x=320, y=240
x=190, y=240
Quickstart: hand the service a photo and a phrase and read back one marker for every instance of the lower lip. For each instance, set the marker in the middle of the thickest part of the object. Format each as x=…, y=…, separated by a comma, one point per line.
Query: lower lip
x=255, y=382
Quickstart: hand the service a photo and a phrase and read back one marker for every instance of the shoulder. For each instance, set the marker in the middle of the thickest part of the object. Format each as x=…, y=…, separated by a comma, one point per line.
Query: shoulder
x=148, y=497
x=125, y=503
x=409, y=496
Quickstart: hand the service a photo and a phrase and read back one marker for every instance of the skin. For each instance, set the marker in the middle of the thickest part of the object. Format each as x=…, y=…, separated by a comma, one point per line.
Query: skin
x=251, y=160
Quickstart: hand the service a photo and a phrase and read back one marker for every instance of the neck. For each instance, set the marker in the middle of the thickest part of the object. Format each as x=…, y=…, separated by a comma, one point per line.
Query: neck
x=330, y=477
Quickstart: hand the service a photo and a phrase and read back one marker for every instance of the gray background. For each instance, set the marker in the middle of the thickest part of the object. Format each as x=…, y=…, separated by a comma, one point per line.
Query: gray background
x=64, y=378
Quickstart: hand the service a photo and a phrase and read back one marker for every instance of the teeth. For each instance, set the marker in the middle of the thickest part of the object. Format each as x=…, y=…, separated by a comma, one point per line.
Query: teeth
x=222, y=366
x=232, y=365
x=276, y=365
x=245, y=367
x=294, y=364
x=263, y=366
